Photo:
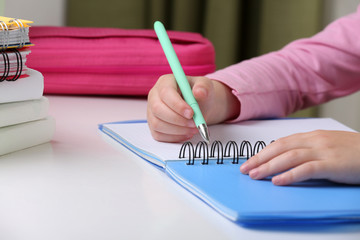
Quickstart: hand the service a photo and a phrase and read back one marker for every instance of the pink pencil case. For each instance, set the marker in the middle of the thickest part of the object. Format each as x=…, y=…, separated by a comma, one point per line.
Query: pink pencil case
x=109, y=61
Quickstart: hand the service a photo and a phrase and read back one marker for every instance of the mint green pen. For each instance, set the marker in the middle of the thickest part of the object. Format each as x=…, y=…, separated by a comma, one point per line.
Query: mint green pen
x=181, y=79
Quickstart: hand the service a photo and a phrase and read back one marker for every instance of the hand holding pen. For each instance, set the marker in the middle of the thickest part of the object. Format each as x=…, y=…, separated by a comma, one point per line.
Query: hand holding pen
x=181, y=80
x=170, y=118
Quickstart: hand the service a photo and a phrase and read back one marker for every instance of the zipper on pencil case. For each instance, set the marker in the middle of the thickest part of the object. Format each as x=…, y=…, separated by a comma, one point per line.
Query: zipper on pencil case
x=136, y=70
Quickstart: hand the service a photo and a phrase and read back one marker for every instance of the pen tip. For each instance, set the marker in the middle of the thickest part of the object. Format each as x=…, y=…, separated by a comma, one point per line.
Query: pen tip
x=204, y=133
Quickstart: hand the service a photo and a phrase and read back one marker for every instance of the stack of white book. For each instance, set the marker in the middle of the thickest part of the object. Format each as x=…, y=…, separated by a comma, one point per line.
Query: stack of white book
x=24, y=119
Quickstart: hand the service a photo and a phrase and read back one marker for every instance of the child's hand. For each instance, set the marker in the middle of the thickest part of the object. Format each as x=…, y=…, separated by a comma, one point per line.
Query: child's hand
x=332, y=155
x=170, y=117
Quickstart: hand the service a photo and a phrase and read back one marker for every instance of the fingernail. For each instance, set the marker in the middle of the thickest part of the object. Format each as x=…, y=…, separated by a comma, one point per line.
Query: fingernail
x=203, y=91
x=244, y=168
x=277, y=180
x=254, y=173
x=187, y=113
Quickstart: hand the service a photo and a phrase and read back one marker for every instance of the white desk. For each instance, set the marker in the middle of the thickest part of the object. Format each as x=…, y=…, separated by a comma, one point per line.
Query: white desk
x=83, y=186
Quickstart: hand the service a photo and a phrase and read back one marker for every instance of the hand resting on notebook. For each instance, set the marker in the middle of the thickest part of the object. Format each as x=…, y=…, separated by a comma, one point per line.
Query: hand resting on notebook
x=332, y=155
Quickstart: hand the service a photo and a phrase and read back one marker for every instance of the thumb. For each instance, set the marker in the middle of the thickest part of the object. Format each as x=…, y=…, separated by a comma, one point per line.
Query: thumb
x=202, y=88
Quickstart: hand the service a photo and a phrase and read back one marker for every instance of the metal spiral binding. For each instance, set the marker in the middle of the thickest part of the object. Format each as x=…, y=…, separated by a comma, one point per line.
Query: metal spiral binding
x=5, y=38
x=4, y=44
x=205, y=152
x=191, y=152
x=19, y=65
x=22, y=32
x=217, y=147
x=219, y=152
x=6, y=66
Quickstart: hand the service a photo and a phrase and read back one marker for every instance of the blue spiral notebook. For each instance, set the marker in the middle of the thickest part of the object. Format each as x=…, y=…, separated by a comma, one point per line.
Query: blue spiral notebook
x=212, y=172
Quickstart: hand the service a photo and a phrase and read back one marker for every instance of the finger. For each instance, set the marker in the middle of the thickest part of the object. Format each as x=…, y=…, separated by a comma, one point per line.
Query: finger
x=159, y=110
x=162, y=137
x=275, y=149
x=306, y=171
x=161, y=126
x=285, y=161
x=171, y=97
x=201, y=88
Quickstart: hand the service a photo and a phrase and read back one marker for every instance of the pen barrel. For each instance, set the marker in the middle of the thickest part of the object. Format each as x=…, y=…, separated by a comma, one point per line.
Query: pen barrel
x=198, y=117
x=174, y=63
x=178, y=72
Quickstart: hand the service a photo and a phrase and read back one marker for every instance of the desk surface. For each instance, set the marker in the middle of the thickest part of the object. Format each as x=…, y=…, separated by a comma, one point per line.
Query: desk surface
x=84, y=186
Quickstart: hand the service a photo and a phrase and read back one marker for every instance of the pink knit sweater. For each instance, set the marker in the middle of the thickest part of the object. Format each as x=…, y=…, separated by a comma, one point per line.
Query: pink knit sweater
x=306, y=72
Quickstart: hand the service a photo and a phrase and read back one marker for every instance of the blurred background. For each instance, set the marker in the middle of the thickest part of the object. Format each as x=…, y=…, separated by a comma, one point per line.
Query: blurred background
x=239, y=29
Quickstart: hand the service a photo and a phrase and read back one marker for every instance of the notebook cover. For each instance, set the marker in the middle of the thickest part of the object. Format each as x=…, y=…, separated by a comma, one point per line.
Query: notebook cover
x=247, y=201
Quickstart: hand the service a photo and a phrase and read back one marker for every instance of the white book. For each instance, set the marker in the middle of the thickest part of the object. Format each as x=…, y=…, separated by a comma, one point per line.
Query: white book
x=28, y=87
x=25, y=135
x=24, y=111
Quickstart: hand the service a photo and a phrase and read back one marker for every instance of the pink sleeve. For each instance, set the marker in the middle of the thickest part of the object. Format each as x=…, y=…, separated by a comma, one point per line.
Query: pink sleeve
x=304, y=73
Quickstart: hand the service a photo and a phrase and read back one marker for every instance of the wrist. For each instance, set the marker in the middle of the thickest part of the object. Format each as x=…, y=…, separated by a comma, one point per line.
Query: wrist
x=229, y=105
